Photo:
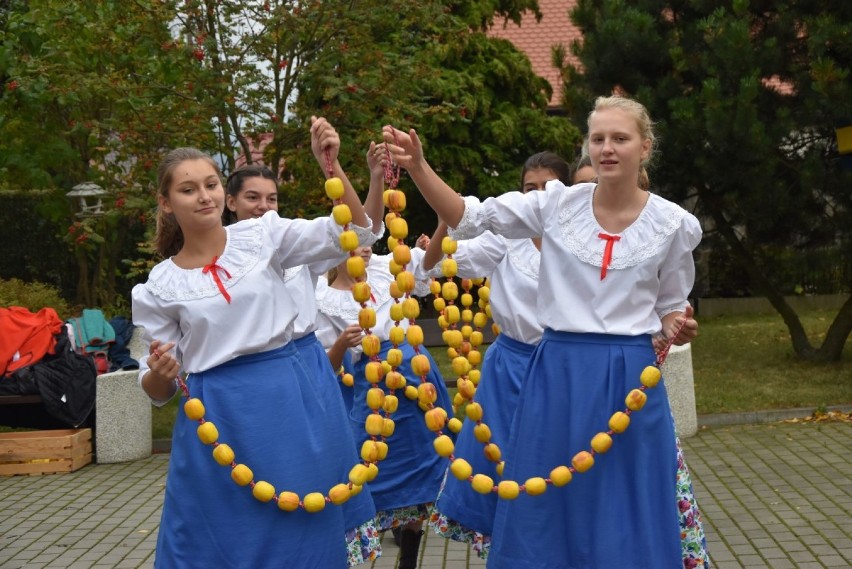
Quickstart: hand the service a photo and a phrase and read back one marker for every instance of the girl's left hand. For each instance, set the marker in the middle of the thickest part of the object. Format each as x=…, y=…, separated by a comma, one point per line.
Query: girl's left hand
x=683, y=324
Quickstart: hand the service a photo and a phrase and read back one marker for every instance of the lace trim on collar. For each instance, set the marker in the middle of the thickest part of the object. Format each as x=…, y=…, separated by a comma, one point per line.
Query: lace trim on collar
x=242, y=252
x=642, y=240
x=524, y=256
x=336, y=302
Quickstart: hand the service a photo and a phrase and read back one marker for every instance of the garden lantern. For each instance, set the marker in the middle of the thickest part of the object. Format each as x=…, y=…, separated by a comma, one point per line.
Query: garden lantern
x=91, y=198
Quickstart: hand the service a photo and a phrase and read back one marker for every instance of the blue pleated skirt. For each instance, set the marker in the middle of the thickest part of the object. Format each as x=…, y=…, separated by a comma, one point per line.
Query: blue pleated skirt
x=287, y=425
x=360, y=508
x=503, y=371
x=622, y=512
x=412, y=472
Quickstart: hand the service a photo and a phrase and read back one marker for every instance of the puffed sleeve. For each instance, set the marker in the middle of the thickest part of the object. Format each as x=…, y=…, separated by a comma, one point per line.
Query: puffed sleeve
x=422, y=279
x=475, y=258
x=677, y=275
x=304, y=241
x=327, y=332
x=514, y=214
x=156, y=324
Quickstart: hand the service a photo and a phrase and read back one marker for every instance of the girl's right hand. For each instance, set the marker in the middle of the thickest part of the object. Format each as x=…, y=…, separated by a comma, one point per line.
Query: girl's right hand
x=161, y=363
x=404, y=147
x=351, y=336
x=377, y=159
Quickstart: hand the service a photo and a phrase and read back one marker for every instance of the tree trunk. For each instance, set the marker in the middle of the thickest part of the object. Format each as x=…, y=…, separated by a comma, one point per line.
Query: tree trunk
x=831, y=349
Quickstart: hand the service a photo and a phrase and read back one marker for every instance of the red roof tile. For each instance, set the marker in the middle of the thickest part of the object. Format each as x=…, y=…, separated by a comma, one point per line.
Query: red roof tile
x=536, y=39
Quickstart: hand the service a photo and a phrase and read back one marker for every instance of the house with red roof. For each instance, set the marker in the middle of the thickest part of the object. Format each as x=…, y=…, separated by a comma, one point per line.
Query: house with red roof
x=537, y=38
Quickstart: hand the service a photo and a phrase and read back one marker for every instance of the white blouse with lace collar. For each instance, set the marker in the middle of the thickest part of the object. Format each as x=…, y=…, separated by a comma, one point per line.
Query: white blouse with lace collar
x=337, y=309
x=512, y=267
x=186, y=306
x=651, y=272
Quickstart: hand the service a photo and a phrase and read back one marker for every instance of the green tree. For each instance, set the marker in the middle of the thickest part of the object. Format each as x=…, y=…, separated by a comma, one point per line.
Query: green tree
x=93, y=92
x=475, y=100
x=98, y=91
x=747, y=96
x=273, y=64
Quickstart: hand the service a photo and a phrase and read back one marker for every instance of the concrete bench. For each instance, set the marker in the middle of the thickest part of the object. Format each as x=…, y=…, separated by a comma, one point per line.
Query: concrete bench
x=123, y=412
x=120, y=420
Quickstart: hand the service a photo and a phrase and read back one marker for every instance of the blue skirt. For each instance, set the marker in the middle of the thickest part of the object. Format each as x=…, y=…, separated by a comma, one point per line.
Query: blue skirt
x=622, y=512
x=412, y=472
x=360, y=508
x=503, y=371
x=284, y=423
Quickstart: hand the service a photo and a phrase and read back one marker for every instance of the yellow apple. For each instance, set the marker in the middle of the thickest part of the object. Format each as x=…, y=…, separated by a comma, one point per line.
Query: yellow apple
x=194, y=408
x=263, y=491
x=207, y=432
x=334, y=188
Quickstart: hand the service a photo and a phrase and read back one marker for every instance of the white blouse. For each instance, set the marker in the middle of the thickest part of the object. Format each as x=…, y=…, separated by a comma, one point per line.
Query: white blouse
x=186, y=306
x=650, y=275
x=301, y=283
x=337, y=309
x=512, y=268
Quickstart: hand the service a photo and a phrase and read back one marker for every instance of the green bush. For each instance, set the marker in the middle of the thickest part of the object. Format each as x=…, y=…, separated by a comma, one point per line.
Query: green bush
x=34, y=296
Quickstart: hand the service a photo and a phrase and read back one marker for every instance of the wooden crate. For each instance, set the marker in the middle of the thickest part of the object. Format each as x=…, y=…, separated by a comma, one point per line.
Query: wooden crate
x=45, y=452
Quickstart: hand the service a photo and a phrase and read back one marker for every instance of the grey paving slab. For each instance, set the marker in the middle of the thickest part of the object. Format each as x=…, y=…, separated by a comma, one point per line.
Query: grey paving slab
x=772, y=495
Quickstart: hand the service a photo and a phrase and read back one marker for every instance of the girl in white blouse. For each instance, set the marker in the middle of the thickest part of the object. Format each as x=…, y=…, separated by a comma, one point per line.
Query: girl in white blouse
x=251, y=191
x=410, y=476
x=217, y=309
x=511, y=266
x=616, y=268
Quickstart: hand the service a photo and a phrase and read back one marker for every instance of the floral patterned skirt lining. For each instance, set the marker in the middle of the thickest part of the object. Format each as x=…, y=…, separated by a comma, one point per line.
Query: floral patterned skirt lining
x=390, y=519
x=363, y=543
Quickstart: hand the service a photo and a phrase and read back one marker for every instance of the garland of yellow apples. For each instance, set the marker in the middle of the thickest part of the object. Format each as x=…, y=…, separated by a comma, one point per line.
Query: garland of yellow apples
x=361, y=473
x=405, y=306
x=559, y=476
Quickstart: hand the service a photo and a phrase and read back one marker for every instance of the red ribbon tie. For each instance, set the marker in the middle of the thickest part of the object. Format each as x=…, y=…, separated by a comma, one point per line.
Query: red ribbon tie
x=214, y=269
x=607, y=257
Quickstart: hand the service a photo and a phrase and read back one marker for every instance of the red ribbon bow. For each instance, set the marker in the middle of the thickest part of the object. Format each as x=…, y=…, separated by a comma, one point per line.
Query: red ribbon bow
x=607, y=258
x=214, y=269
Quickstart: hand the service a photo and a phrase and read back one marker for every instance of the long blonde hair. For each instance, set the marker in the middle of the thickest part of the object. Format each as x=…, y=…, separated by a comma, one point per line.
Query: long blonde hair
x=643, y=121
x=169, y=236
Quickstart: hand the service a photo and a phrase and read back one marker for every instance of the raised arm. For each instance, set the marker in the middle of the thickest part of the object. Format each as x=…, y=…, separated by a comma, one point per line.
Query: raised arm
x=325, y=138
x=406, y=150
x=374, y=205
x=434, y=250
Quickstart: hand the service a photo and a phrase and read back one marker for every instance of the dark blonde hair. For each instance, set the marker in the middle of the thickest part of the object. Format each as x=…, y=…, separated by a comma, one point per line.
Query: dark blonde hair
x=169, y=237
x=643, y=122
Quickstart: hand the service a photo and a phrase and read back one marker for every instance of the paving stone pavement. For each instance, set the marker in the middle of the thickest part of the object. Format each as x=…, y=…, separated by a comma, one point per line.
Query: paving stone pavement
x=773, y=495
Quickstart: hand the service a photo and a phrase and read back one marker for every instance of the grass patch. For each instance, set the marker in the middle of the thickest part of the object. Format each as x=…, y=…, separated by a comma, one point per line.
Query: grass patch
x=746, y=363
x=740, y=363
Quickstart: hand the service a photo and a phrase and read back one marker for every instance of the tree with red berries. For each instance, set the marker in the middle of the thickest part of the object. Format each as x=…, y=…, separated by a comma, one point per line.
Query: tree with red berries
x=84, y=100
